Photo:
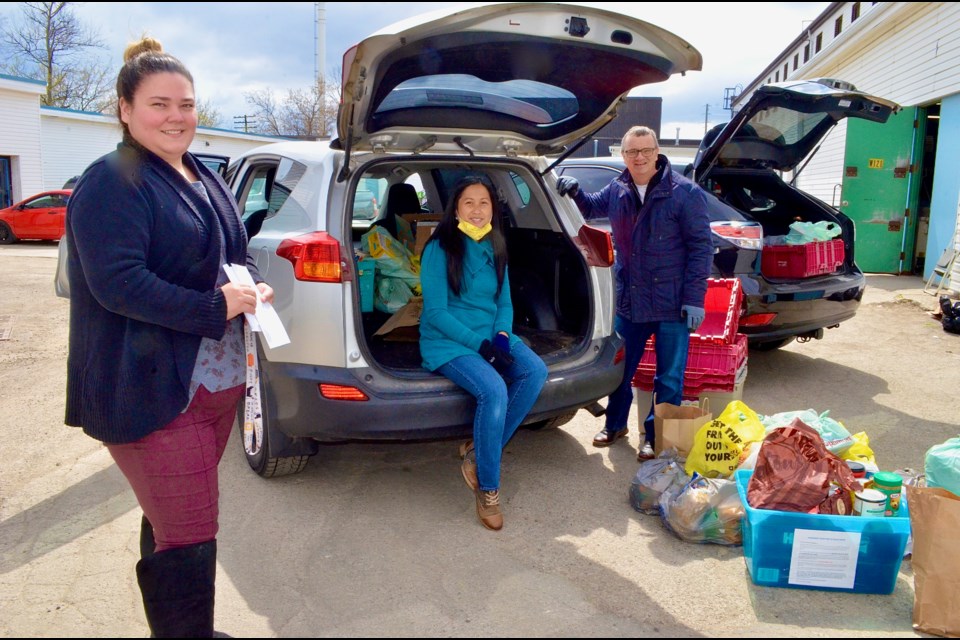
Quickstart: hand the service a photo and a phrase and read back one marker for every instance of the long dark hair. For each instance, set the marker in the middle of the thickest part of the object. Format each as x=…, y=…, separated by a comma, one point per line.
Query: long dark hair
x=452, y=240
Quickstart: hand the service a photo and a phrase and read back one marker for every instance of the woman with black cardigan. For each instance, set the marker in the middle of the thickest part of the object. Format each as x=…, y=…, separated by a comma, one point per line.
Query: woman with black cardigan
x=156, y=362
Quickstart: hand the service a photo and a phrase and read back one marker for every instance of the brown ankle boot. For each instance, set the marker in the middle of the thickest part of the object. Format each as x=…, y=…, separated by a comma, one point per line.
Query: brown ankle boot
x=488, y=509
x=469, y=470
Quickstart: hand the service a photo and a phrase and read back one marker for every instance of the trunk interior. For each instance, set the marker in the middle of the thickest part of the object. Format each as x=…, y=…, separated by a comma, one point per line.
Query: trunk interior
x=763, y=197
x=548, y=276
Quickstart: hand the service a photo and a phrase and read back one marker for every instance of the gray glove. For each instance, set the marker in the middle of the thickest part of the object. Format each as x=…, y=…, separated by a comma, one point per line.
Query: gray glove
x=567, y=186
x=694, y=315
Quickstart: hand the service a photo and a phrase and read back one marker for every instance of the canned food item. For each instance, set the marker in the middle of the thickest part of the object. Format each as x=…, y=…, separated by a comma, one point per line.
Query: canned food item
x=890, y=484
x=869, y=503
x=859, y=471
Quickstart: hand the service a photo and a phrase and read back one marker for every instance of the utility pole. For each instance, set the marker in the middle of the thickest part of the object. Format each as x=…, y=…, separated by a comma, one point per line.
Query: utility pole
x=706, y=118
x=246, y=121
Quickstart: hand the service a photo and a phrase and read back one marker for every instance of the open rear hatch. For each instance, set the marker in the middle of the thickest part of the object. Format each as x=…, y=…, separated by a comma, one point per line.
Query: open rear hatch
x=512, y=78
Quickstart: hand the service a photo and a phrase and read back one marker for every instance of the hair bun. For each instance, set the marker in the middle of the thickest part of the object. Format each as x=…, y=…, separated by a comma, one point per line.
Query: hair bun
x=145, y=45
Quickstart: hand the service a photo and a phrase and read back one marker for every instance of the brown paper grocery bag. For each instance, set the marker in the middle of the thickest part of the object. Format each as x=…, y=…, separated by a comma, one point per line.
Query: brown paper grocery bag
x=675, y=426
x=935, y=525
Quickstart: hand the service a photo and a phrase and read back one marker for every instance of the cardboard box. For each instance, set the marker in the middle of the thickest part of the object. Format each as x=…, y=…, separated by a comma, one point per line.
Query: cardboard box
x=404, y=324
x=425, y=229
x=423, y=225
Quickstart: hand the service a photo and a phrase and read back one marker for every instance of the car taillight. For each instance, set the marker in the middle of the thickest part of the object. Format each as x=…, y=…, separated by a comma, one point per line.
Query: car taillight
x=620, y=355
x=315, y=257
x=757, y=319
x=746, y=235
x=341, y=392
x=595, y=245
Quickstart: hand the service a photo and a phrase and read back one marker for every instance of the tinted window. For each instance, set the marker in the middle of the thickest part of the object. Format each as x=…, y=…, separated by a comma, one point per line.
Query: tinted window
x=781, y=126
x=45, y=202
x=368, y=197
x=535, y=102
x=523, y=189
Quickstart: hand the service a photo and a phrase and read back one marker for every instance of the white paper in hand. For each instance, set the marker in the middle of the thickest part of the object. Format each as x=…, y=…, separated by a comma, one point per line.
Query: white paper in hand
x=265, y=318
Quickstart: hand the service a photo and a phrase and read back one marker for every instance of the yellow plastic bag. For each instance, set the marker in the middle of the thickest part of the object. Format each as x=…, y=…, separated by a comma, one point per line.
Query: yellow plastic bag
x=860, y=450
x=393, y=259
x=717, y=446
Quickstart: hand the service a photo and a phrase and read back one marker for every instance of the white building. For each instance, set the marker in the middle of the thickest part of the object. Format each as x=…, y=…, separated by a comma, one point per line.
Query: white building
x=42, y=147
x=908, y=52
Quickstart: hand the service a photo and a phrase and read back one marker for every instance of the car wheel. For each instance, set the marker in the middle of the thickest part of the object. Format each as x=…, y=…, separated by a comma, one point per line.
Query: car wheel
x=772, y=345
x=551, y=423
x=6, y=234
x=264, y=461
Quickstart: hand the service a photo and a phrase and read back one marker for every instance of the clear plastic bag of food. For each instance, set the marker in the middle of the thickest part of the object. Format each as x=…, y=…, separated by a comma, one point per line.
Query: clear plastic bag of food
x=652, y=479
x=703, y=510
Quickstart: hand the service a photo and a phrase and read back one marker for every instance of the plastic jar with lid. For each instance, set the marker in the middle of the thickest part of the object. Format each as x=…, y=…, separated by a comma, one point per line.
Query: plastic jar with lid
x=890, y=484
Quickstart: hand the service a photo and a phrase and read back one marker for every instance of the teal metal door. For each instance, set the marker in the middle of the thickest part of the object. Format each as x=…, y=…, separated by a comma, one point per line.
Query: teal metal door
x=880, y=188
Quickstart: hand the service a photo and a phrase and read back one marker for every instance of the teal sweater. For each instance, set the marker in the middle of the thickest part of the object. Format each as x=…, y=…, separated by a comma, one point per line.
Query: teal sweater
x=452, y=326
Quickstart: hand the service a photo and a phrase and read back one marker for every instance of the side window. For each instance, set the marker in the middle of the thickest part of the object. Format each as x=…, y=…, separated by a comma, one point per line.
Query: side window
x=368, y=199
x=523, y=189
x=265, y=190
x=255, y=191
x=42, y=203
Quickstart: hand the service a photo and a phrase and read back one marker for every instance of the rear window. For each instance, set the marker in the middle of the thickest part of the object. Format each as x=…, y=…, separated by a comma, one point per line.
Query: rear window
x=782, y=126
x=536, y=103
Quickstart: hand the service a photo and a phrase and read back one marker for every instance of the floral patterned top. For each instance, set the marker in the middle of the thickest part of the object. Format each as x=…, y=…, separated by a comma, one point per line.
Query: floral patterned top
x=221, y=364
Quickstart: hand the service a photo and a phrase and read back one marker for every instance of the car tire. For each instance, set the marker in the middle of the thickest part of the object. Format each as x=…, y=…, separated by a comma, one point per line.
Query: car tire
x=7, y=236
x=264, y=462
x=551, y=423
x=772, y=345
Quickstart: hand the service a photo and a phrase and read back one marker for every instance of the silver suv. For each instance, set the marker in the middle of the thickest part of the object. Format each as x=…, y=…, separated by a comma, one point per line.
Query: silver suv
x=493, y=90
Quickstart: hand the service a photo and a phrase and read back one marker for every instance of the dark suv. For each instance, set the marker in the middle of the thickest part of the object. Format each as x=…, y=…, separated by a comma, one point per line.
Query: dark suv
x=740, y=164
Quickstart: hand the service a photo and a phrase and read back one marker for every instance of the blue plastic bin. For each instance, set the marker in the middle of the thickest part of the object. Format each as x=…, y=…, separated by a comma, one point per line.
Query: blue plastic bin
x=768, y=540
x=365, y=269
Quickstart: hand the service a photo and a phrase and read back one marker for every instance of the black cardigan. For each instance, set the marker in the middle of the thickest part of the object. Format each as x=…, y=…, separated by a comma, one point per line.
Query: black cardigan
x=142, y=289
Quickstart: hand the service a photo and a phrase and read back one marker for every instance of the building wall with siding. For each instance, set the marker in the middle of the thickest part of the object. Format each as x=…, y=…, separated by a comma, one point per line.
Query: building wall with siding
x=72, y=140
x=20, y=135
x=908, y=52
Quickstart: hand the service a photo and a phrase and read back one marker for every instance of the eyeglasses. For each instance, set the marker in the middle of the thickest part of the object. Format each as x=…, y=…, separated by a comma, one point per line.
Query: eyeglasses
x=649, y=152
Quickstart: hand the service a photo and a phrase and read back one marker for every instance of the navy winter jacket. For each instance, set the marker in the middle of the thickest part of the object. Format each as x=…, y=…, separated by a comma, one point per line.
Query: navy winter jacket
x=664, y=247
x=143, y=291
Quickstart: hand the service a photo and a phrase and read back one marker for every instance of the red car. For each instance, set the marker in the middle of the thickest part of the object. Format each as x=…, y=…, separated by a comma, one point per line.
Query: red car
x=39, y=217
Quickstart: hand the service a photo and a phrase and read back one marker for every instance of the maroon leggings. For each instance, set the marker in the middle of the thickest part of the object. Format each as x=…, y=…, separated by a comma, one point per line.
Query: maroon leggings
x=173, y=471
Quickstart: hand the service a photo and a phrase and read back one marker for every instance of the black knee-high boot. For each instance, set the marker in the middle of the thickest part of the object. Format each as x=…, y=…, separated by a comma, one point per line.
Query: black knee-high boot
x=178, y=590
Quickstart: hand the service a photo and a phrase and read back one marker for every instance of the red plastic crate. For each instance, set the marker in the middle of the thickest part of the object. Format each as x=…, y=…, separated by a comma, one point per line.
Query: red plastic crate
x=710, y=366
x=802, y=260
x=722, y=306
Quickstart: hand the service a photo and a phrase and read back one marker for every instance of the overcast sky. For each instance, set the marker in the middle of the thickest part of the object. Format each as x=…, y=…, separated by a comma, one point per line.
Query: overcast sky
x=233, y=48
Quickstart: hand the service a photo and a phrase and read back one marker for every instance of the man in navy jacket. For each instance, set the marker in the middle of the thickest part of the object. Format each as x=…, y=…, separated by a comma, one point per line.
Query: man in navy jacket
x=663, y=243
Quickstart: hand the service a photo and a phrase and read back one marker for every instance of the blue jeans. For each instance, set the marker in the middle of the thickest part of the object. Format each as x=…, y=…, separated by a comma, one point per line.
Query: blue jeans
x=501, y=405
x=672, y=342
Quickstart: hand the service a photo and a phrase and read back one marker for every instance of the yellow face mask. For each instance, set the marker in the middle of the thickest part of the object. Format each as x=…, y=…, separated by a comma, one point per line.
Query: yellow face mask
x=477, y=233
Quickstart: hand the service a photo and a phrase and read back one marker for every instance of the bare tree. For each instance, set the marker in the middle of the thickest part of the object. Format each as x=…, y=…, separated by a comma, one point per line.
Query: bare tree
x=207, y=115
x=50, y=44
x=309, y=113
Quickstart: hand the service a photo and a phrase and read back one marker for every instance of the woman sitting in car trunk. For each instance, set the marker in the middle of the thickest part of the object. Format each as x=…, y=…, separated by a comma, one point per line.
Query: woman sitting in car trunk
x=465, y=334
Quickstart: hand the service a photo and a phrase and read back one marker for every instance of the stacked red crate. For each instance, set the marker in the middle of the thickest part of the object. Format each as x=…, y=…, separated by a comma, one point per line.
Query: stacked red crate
x=717, y=353
x=802, y=260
